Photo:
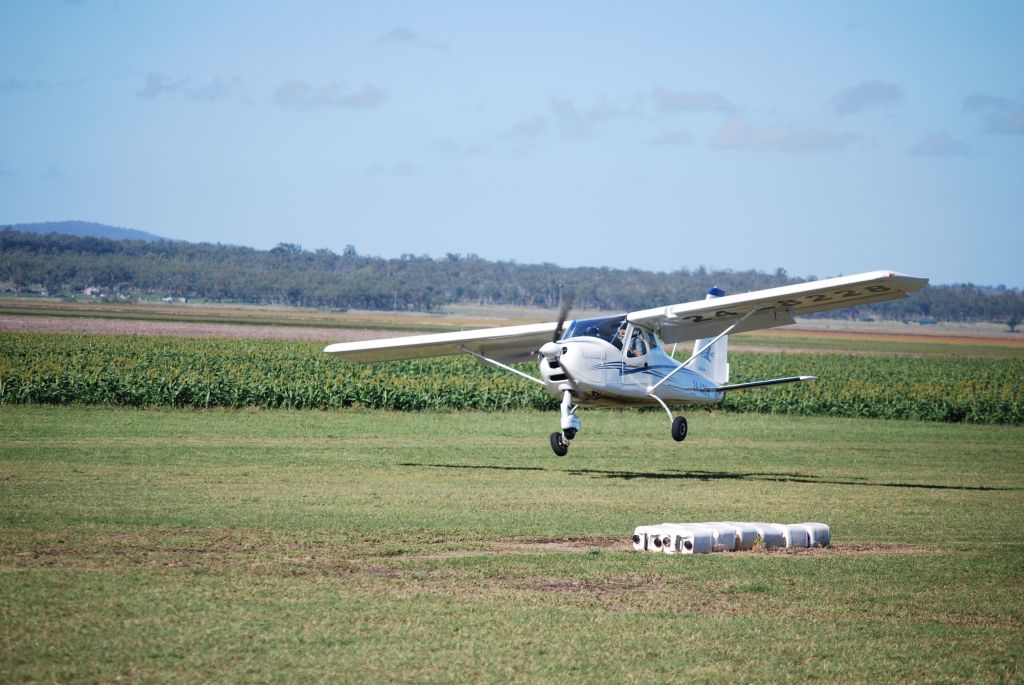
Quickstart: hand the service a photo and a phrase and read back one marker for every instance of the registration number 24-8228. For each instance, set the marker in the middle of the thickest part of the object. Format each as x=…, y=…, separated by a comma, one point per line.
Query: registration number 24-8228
x=839, y=294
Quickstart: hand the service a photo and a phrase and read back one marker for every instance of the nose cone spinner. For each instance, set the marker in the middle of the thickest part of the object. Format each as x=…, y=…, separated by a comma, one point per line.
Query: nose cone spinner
x=551, y=350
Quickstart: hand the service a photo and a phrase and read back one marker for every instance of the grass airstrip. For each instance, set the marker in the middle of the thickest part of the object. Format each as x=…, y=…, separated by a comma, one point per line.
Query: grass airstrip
x=358, y=545
x=350, y=546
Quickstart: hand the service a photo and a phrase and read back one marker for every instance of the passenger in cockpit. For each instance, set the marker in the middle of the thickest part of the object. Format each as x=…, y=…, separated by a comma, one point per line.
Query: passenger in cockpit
x=637, y=344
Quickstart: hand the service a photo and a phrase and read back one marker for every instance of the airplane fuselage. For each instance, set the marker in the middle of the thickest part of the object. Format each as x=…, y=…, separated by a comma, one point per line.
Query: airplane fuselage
x=601, y=374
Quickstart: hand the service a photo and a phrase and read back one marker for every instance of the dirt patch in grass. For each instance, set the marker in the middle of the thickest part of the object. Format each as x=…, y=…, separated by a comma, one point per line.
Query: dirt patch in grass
x=601, y=544
x=332, y=554
x=844, y=549
x=598, y=545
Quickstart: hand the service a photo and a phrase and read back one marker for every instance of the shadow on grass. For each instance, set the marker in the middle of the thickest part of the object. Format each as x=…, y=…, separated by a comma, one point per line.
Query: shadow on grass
x=472, y=466
x=777, y=477
x=719, y=475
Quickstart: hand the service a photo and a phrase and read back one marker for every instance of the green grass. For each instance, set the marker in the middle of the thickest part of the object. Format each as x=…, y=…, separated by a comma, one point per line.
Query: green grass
x=357, y=545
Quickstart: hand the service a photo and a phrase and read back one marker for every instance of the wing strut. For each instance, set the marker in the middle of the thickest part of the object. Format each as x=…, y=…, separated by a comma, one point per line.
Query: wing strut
x=699, y=352
x=493, y=362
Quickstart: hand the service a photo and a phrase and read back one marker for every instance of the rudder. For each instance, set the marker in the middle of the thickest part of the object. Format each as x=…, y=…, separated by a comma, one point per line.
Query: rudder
x=713, y=363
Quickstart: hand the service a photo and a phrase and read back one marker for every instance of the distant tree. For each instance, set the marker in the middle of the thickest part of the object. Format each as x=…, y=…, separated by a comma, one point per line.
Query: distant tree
x=320, y=278
x=287, y=249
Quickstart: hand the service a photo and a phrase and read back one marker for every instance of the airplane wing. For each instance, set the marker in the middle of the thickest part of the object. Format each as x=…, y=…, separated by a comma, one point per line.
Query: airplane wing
x=774, y=306
x=675, y=323
x=505, y=344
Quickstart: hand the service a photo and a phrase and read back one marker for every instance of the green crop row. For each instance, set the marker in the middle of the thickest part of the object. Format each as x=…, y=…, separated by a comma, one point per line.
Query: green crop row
x=931, y=389
x=55, y=368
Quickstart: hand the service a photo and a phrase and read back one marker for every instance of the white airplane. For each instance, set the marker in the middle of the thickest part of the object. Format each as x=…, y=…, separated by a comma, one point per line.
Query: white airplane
x=621, y=360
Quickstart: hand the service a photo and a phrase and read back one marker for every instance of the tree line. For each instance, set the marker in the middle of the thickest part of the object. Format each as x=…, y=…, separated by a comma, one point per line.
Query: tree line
x=288, y=274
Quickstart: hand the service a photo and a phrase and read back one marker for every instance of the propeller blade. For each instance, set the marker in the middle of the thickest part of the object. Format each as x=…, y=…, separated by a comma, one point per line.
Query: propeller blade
x=563, y=312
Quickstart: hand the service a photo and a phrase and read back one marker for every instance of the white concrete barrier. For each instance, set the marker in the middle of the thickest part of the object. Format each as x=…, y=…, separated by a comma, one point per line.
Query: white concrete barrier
x=723, y=536
x=689, y=538
x=818, y=533
x=796, y=535
x=745, y=535
x=770, y=534
x=644, y=536
x=727, y=536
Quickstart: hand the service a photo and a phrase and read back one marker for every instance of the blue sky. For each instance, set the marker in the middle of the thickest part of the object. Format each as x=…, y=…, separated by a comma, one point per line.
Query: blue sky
x=822, y=138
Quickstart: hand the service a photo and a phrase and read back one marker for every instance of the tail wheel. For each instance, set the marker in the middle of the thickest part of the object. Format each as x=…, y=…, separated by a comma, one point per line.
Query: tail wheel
x=679, y=429
x=559, y=445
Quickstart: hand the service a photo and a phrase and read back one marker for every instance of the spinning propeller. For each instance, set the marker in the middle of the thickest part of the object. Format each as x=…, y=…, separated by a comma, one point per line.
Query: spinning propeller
x=563, y=312
x=552, y=350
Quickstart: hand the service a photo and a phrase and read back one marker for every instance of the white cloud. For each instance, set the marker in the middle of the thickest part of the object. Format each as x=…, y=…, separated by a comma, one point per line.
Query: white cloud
x=530, y=128
x=940, y=144
x=1005, y=116
x=668, y=100
x=401, y=169
x=304, y=95
x=981, y=101
x=737, y=134
x=159, y=83
x=402, y=36
x=14, y=84
x=217, y=90
x=448, y=147
x=667, y=138
x=866, y=96
x=11, y=84
x=1008, y=123
x=577, y=123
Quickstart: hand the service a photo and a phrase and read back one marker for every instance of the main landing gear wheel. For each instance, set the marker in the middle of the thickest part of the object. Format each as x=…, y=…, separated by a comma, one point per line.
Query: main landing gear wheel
x=559, y=445
x=679, y=429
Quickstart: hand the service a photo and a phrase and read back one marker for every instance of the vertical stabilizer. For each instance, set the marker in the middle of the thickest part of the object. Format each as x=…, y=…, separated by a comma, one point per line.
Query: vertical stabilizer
x=713, y=362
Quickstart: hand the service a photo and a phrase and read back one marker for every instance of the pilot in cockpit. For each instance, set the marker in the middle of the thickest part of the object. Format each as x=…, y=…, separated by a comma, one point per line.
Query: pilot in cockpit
x=620, y=336
x=637, y=344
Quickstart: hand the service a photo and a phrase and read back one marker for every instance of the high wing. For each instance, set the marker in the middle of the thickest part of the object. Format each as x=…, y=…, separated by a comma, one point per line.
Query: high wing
x=505, y=344
x=774, y=306
x=674, y=323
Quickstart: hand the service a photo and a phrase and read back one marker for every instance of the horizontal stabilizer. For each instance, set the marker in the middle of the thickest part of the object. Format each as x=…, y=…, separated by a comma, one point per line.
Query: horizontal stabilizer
x=772, y=381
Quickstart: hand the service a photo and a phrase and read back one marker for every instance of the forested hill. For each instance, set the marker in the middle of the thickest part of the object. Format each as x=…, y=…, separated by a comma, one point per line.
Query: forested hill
x=86, y=228
x=287, y=274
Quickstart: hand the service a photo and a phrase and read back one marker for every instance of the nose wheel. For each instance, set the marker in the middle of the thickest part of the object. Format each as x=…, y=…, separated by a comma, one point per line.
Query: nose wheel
x=559, y=444
x=570, y=424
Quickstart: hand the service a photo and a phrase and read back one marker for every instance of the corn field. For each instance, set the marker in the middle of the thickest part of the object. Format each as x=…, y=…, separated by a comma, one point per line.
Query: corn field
x=57, y=368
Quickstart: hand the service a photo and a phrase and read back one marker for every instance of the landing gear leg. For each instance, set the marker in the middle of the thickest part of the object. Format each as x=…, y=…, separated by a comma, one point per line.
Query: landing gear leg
x=679, y=427
x=570, y=425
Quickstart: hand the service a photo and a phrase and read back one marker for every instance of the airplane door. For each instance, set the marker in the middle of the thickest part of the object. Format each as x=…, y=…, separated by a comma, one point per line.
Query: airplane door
x=637, y=347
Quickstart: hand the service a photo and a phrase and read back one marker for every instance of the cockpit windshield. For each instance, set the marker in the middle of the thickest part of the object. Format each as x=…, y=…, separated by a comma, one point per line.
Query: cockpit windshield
x=606, y=328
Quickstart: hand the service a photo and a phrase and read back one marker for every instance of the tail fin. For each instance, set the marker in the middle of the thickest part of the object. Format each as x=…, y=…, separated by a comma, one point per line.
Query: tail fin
x=713, y=363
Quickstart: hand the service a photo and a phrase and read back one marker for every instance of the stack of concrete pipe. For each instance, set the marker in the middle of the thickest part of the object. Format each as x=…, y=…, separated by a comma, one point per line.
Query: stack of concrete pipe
x=727, y=536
